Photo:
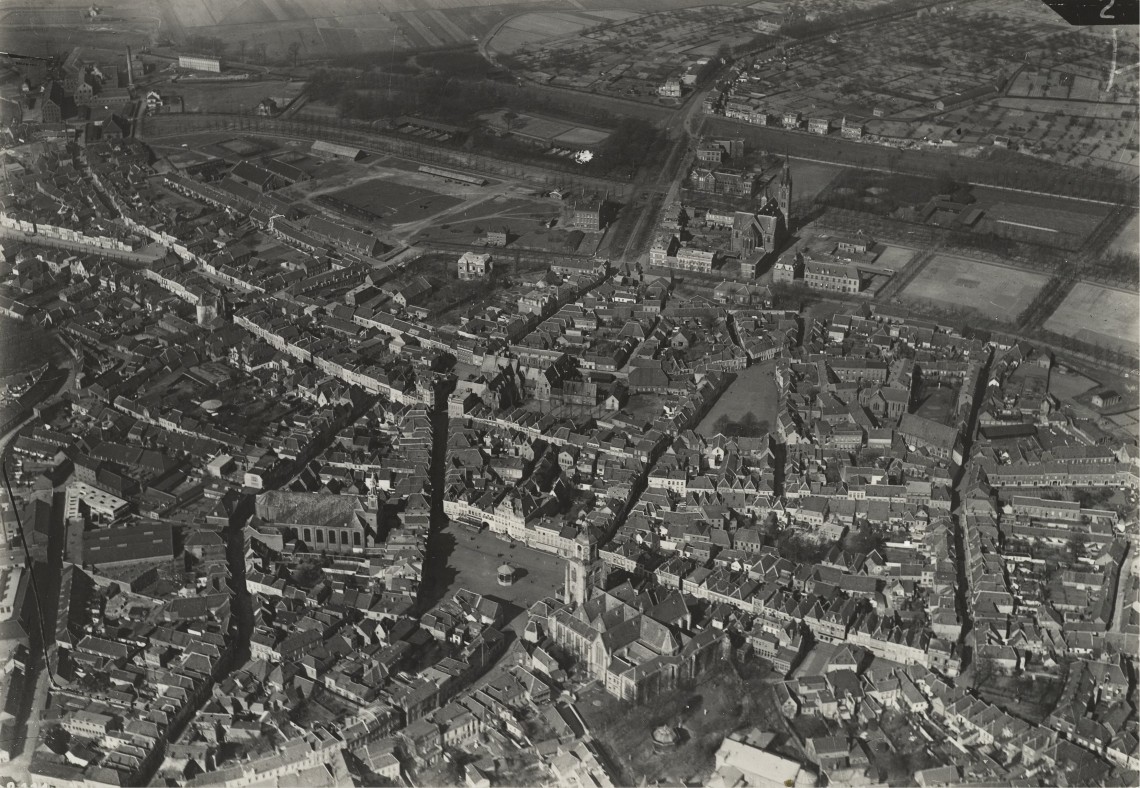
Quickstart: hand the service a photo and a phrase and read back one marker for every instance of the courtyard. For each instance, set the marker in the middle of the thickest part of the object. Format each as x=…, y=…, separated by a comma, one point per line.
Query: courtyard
x=753, y=392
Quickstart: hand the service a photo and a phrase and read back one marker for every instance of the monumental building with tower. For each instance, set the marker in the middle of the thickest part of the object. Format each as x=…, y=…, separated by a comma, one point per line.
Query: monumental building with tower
x=637, y=644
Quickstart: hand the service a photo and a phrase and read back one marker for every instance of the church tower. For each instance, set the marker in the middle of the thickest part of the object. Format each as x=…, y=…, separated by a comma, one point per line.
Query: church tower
x=583, y=569
x=784, y=194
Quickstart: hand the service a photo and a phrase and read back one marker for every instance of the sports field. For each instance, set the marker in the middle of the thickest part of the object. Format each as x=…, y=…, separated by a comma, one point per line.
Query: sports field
x=1098, y=315
x=993, y=290
x=395, y=202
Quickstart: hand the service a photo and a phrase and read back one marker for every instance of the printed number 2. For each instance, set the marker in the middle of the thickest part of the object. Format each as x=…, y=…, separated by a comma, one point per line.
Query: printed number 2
x=1104, y=11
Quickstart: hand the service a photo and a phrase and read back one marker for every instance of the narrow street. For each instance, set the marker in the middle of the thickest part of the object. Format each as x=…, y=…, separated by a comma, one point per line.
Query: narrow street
x=963, y=603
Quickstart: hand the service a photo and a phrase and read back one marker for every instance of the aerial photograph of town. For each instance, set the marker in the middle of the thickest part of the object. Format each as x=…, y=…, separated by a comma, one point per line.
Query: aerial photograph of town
x=572, y=393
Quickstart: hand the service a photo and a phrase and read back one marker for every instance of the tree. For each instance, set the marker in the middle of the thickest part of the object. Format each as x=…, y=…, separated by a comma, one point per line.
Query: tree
x=1077, y=545
x=294, y=50
x=56, y=738
x=984, y=670
x=509, y=117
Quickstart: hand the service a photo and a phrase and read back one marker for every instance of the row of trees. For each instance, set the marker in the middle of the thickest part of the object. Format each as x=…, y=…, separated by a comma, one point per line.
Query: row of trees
x=800, y=27
x=747, y=426
x=995, y=167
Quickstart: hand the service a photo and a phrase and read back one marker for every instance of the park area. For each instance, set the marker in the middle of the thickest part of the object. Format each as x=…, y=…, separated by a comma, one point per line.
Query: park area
x=996, y=291
x=1097, y=315
x=749, y=405
x=719, y=703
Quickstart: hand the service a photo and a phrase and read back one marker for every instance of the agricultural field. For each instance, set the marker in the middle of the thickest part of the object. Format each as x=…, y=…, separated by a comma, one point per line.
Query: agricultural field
x=1098, y=316
x=996, y=291
x=331, y=27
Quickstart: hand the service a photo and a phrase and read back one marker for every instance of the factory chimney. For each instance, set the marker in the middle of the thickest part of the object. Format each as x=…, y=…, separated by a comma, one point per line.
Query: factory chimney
x=130, y=69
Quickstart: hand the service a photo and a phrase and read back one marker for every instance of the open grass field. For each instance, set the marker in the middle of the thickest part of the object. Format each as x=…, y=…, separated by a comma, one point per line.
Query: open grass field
x=995, y=291
x=809, y=178
x=395, y=202
x=1069, y=385
x=231, y=97
x=753, y=391
x=518, y=216
x=1098, y=315
x=1076, y=210
x=52, y=28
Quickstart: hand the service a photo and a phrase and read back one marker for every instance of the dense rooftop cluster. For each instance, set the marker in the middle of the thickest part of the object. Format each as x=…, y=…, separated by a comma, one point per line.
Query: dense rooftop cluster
x=306, y=510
